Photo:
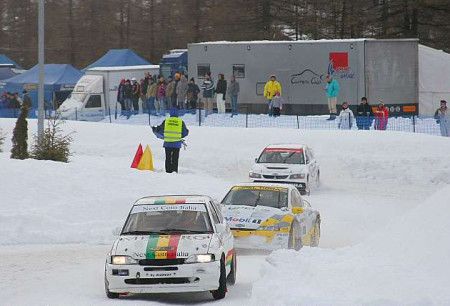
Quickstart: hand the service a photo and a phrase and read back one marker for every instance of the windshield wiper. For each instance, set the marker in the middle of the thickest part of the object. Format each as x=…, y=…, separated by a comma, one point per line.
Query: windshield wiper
x=144, y=233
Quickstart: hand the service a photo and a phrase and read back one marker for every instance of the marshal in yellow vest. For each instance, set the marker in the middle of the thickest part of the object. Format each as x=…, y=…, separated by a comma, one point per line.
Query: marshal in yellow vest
x=173, y=128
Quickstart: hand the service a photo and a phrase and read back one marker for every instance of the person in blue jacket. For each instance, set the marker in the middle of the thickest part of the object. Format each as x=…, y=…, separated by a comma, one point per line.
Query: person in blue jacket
x=172, y=130
x=332, y=90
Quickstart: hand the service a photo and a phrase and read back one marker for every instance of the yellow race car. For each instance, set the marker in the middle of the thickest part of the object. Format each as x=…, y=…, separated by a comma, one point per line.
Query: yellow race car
x=270, y=216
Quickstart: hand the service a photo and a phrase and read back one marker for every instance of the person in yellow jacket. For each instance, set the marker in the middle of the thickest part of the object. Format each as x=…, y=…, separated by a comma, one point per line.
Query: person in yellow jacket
x=270, y=89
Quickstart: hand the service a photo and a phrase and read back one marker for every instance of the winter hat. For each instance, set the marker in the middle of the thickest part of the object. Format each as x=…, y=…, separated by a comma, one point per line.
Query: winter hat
x=173, y=112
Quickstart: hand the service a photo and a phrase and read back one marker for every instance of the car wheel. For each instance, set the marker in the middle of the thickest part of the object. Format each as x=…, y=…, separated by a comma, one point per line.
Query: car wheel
x=231, y=278
x=222, y=290
x=295, y=239
x=315, y=237
x=109, y=294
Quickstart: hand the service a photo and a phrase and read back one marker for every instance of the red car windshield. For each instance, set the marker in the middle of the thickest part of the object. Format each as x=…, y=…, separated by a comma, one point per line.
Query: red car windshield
x=282, y=156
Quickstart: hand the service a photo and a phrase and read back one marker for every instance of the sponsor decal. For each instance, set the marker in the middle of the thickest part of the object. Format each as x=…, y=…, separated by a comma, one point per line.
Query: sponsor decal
x=194, y=237
x=162, y=207
x=229, y=257
x=242, y=220
x=307, y=77
x=283, y=150
x=170, y=201
x=338, y=65
x=162, y=247
x=264, y=188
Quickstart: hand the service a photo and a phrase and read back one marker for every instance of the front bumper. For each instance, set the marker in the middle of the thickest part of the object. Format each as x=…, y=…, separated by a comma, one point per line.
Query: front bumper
x=163, y=279
x=260, y=239
x=301, y=185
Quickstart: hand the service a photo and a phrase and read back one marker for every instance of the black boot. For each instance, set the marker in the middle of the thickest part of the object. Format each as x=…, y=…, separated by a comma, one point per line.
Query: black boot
x=331, y=117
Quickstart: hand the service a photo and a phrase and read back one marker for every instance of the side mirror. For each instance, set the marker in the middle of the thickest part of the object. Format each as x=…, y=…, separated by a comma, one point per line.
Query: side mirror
x=256, y=159
x=297, y=210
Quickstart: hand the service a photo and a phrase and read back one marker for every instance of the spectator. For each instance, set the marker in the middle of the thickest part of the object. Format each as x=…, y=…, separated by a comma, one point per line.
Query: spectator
x=442, y=117
x=277, y=104
x=233, y=92
x=160, y=103
x=346, y=118
x=272, y=86
x=172, y=130
x=128, y=97
x=174, y=97
x=152, y=89
x=221, y=90
x=3, y=101
x=192, y=94
x=121, y=94
x=364, y=115
x=26, y=99
x=332, y=90
x=381, y=116
x=208, y=93
x=181, y=91
x=136, y=90
x=143, y=86
x=169, y=92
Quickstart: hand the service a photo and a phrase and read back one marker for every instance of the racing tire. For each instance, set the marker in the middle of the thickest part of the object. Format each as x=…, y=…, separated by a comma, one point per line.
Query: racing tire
x=109, y=294
x=222, y=290
x=316, y=234
x=231, y=278
x=295, y=243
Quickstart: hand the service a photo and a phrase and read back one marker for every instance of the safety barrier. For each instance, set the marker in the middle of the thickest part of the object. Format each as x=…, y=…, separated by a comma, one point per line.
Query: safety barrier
x=412, y=124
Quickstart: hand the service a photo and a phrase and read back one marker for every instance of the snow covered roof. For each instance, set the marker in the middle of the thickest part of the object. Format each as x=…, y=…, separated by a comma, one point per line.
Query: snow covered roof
x=295, y=41
x=123, y=68
x=119, y=57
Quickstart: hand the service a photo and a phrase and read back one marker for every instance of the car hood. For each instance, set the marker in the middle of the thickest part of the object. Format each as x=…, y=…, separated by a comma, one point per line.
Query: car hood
x=248, y=217
x=165, y=246
x=277, y=168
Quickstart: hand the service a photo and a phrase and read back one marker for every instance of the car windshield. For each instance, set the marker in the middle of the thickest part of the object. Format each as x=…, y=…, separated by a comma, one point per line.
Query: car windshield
x=167, y=219
x=282, y=156
x=276, y=197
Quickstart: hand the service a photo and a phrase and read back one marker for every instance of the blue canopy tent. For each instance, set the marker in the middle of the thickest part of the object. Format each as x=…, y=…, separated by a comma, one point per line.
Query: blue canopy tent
x=60, y=79
x=6, y=61
x=6, y=73
x=119, y=57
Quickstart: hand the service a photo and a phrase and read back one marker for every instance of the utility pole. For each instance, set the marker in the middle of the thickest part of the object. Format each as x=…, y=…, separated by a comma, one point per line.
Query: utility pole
x=41, y=69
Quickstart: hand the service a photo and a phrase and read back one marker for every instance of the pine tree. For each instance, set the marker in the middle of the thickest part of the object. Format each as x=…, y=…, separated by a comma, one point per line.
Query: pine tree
x=53, y=145
x=20, y=135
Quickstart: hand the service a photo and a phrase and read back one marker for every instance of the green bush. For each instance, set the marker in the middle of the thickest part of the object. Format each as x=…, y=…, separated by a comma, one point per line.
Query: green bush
x=53, y=145
x=19, y=140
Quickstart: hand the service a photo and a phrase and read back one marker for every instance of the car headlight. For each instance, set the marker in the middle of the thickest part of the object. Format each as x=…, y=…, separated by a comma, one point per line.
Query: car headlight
x=123, y=260
x=254, y=175
x=297, y=176
x=201, y=258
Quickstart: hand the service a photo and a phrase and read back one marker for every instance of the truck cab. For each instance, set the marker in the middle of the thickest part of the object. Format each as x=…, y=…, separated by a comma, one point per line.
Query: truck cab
x=87, y=101
x=175, y=60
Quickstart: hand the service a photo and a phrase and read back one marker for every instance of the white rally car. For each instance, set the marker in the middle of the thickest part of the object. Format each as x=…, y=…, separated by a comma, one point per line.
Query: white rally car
x=270, y=216
x=172, y=244
x=287, y=163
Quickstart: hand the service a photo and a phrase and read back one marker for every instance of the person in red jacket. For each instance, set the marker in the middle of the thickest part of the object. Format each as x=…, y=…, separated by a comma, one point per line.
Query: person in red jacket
x=381, y=116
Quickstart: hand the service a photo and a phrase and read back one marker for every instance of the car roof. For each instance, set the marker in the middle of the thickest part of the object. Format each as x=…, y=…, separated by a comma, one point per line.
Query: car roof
x=278, y=185
x=287, y=146
x=173, y=199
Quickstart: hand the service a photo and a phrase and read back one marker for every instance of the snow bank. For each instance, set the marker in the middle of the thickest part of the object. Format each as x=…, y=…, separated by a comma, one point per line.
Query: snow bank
x=405, y=263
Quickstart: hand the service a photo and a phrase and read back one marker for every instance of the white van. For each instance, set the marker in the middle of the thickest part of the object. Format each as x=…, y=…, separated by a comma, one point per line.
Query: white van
x=95, y=94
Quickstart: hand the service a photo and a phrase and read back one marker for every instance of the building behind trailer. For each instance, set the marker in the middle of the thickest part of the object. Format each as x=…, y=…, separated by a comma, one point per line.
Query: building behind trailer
x=385, y=70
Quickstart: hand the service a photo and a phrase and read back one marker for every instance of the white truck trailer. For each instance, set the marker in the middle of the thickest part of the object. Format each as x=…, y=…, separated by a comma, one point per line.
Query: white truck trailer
x=95, y=95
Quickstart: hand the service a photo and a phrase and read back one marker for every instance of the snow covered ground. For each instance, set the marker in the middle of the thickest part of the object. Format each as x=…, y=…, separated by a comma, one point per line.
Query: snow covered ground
x=383, y=201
